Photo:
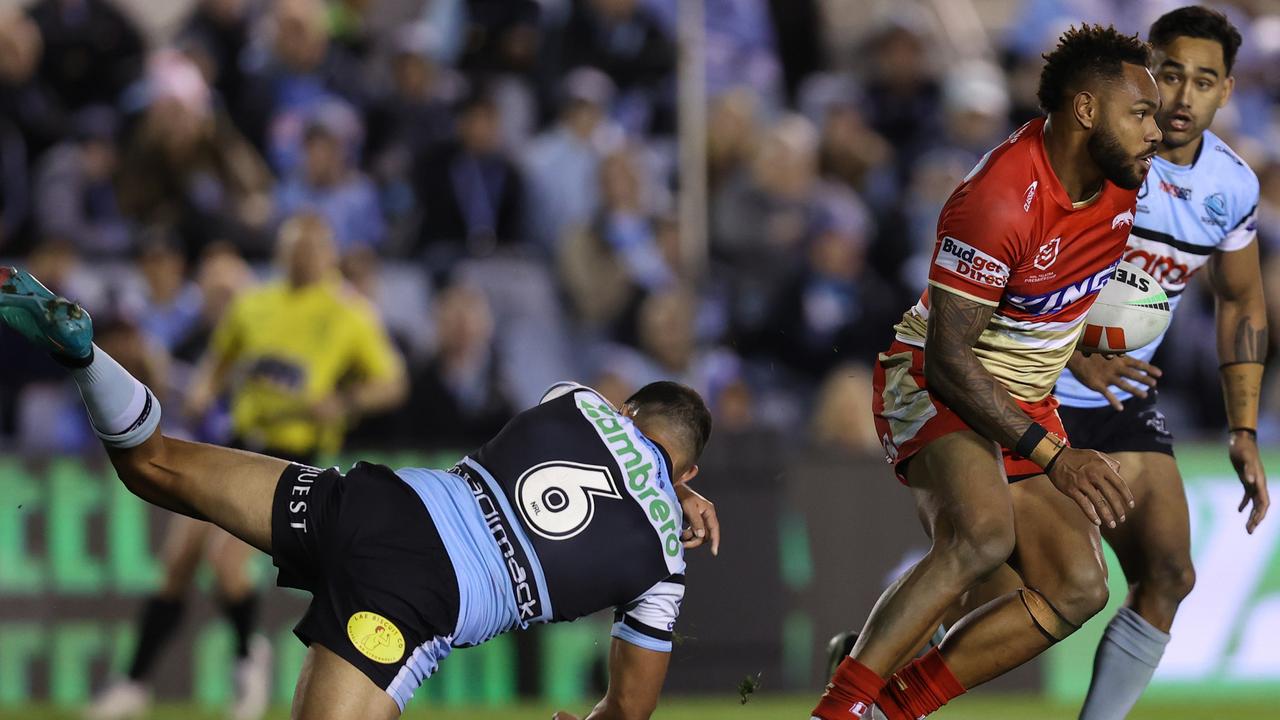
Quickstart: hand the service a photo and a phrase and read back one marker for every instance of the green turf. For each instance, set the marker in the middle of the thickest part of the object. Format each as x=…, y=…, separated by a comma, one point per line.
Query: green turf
x=796, y=708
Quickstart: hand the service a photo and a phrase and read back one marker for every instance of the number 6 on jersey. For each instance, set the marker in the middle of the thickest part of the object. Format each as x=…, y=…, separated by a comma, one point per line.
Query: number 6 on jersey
x=558, y=499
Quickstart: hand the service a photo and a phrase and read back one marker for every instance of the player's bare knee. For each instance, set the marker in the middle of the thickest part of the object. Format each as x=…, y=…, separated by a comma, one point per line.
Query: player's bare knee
x=1171, y=578
x=982, y=547
x=1080, y=593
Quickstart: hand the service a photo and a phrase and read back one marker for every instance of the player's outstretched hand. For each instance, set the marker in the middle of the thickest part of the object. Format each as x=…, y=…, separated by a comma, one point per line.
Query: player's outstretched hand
x=1093, y=481
x=700, y=513
x=1100, y=372
x=1243, y=451
x=562, y=715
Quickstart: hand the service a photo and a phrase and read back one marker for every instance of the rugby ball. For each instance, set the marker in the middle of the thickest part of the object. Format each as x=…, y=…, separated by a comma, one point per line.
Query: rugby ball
x=1131, y=311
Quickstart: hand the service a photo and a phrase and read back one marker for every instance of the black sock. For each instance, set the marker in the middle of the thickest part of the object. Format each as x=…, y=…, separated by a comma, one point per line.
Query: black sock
x=243, y=614
x=160, y=618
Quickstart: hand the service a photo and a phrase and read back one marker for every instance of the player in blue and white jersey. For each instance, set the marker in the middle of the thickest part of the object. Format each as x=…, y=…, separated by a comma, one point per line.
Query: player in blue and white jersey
x=1196, y=211
x=574, y=507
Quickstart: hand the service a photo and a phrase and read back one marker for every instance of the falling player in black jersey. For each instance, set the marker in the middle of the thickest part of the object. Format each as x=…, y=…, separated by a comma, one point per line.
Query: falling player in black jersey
x=574, y=507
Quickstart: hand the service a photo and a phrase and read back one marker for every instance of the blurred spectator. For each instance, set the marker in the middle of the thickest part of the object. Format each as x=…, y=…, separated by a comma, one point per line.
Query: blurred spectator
x=290, y=70
x=626, y=41
x=187, y=168
x=329, y=184
x=850, y=152
x=608, y=266
x=842, y=417
x=759, y=218
x=413, y=118
x=172, y=304
x=27, y=103
x=832, y=310
x=503, y=36
x=976, y=104
x=15, y=202
x=732, y=135
x=462, y=384
x=470, y=192
x=902, y=92
x=220, y=277
x=215, y=37
x=740, y=49
x=669, y=349
x=797, y=25
x=92, y=51
x=75, y=194
x=562, y=164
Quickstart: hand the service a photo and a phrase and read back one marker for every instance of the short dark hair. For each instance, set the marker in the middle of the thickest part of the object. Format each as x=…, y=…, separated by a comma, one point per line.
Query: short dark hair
x=682, y=409
x=1198, y=22
x=1084, y=54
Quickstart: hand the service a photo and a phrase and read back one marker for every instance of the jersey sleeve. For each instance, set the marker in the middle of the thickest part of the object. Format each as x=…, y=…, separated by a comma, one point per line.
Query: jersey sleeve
x=648, y=621
x=1244, y=232
x=979, y=243
x=560, y=389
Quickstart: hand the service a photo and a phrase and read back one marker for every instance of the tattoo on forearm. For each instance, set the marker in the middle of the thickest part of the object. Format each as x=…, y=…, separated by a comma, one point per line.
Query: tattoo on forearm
x=960, y=379
x=1251, y=341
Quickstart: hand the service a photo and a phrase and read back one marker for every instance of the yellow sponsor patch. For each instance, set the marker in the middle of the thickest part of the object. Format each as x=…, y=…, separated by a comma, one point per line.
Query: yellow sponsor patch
x=376, y=637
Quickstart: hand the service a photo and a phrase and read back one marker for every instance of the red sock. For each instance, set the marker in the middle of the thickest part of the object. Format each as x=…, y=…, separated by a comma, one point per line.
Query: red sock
x=850, y=693
x=920, y=688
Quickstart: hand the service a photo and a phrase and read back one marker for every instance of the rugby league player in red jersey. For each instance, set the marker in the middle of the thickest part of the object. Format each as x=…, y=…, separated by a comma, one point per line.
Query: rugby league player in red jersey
x=963, y=396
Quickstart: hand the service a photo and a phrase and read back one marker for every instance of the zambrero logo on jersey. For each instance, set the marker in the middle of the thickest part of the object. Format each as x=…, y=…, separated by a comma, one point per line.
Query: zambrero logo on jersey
x=971, y=263
x=1124, y=218
x=641, y=474
x=376, y=637
x=1055, y=300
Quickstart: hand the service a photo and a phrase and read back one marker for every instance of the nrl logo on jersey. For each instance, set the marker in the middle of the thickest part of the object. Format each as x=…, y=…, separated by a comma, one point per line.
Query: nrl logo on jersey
x=1124, y=218
x=1048, y=254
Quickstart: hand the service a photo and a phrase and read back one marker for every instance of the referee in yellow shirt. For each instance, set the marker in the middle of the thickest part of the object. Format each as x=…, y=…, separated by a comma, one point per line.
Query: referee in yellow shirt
x=302, y=357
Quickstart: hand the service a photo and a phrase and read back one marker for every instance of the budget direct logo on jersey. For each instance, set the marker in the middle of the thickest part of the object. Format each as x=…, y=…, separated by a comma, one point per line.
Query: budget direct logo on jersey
x=970, y=263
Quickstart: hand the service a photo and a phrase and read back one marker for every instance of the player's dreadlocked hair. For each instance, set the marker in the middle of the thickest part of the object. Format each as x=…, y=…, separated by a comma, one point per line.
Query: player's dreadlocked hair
x=1084, y=54
x=1198, y=22
x=681, y=409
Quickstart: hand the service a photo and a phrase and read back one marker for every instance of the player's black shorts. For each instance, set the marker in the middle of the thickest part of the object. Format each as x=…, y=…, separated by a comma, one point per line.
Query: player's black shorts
x=385, y=592
x=1140, y=427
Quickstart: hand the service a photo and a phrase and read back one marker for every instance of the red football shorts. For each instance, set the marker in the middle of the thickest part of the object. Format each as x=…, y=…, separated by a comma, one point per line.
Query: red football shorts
x=908, y=416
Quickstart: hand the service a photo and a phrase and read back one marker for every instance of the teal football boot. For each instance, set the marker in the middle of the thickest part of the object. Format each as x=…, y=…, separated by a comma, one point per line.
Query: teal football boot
x=50, y=322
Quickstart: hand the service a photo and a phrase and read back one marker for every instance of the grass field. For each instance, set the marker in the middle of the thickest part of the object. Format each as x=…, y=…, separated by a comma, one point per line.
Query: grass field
x=795, y=708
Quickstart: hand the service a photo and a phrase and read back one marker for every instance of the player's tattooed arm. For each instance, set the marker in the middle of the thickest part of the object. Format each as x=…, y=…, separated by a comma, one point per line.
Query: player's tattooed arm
x=955, y=374
x=1236, y=278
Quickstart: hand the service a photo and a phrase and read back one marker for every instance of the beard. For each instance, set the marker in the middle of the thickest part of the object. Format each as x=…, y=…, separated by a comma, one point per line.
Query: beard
x=1118, y=166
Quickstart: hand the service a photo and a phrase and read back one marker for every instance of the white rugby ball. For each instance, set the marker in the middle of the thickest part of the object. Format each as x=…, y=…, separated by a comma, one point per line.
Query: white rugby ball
x=1131, y=311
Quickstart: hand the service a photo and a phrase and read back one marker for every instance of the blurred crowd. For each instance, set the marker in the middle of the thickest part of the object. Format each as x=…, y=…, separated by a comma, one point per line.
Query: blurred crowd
x=500, y=180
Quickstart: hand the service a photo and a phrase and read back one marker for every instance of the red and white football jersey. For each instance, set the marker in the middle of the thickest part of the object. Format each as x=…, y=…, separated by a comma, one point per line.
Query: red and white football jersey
x=1009, y=236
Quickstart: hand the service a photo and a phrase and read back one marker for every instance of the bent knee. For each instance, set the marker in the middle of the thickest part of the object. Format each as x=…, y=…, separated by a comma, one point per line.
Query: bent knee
x=1079, y=594
x=1172, y=579
x=978, y=550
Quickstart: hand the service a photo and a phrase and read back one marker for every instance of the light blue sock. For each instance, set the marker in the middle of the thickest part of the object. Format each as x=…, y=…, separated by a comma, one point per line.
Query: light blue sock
x=123, y=411
x=1126, y=659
